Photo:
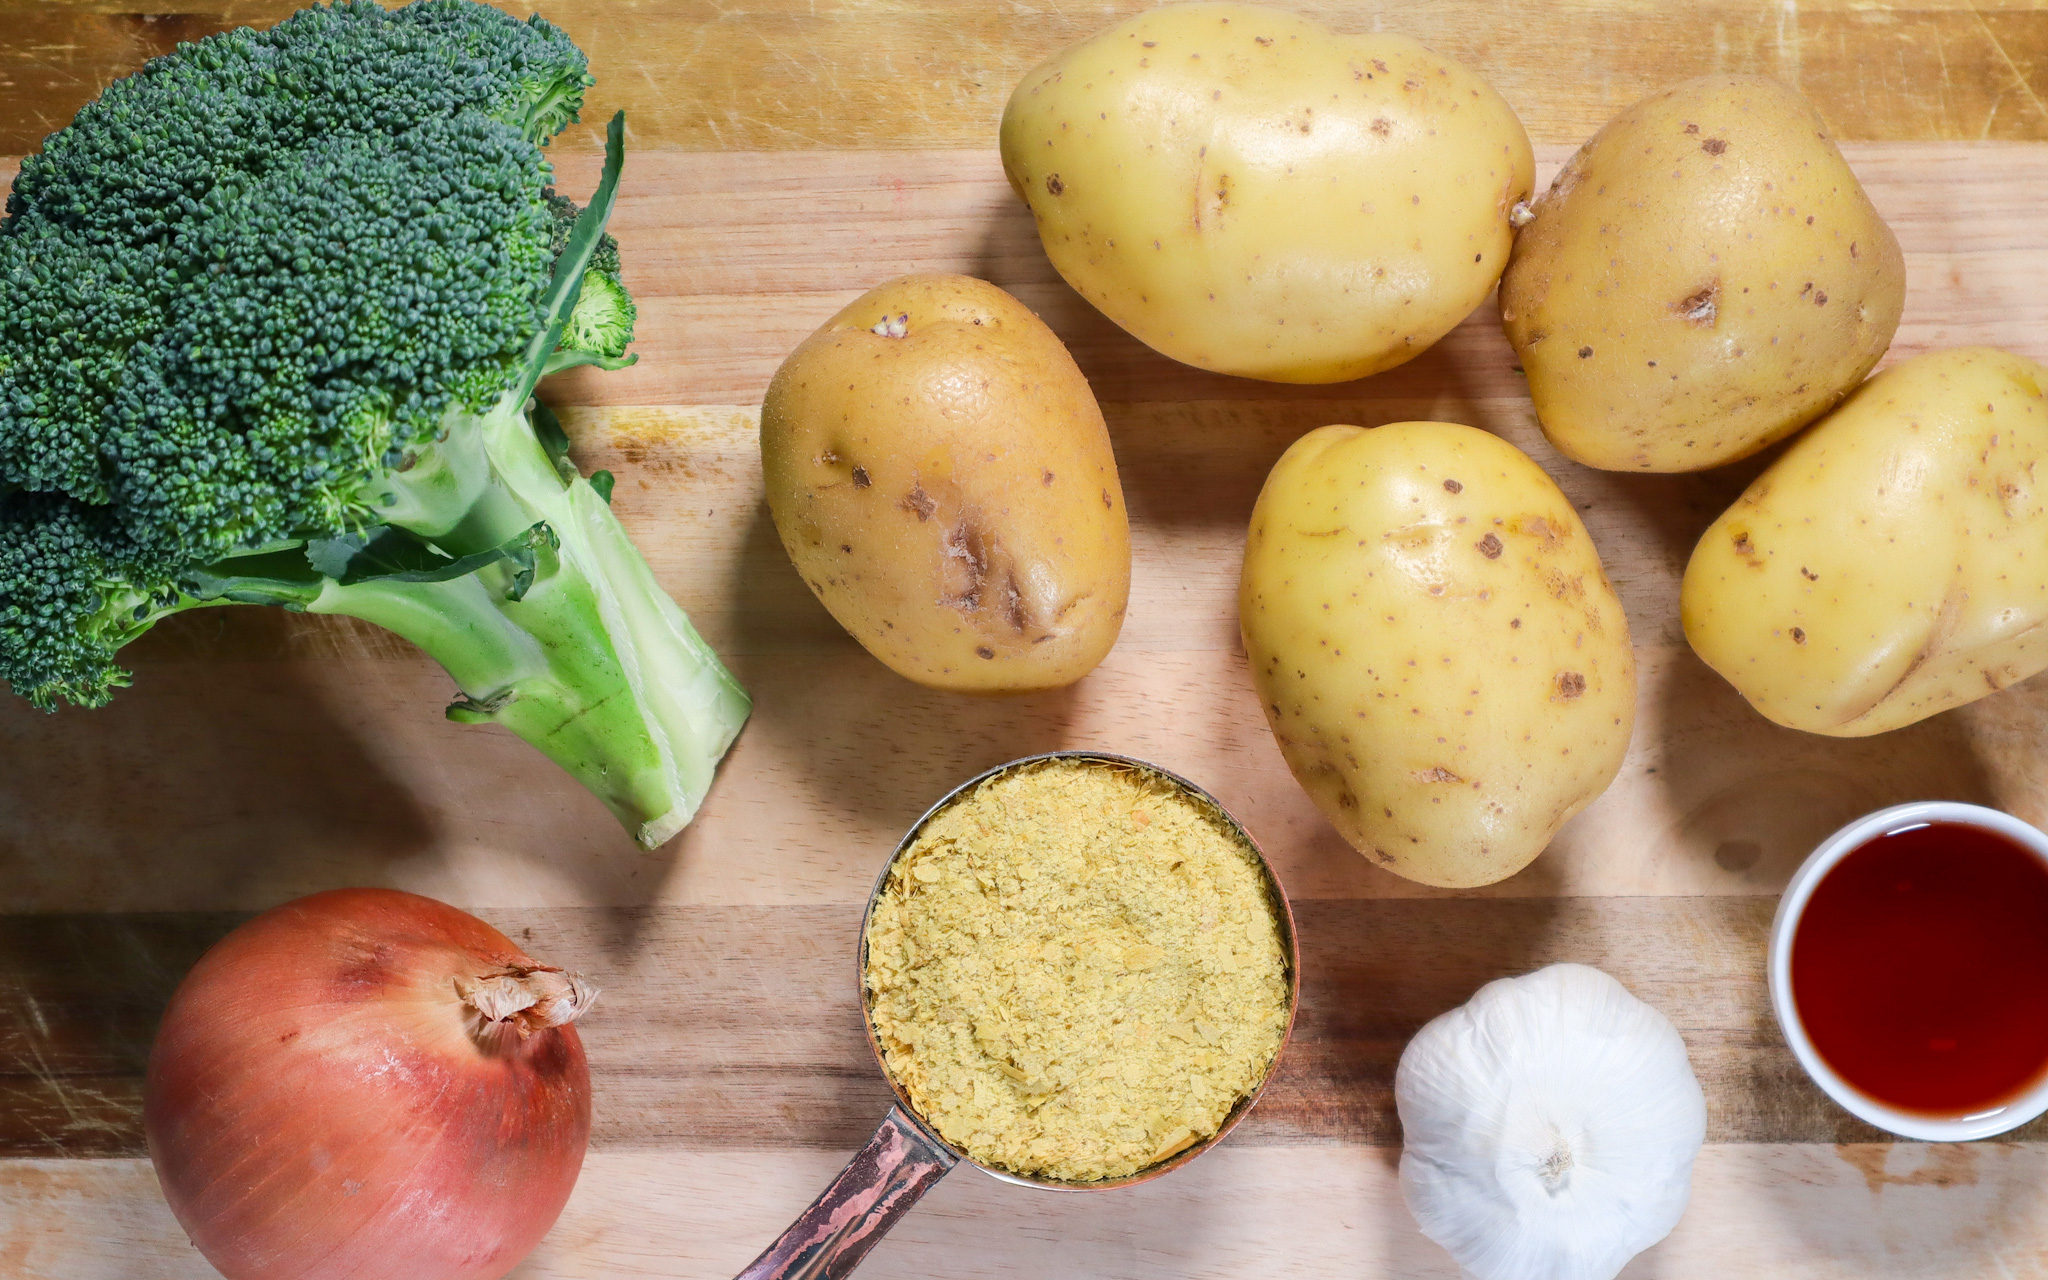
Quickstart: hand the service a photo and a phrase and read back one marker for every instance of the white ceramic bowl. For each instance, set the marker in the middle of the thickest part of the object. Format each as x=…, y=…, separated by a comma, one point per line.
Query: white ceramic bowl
x=1792, y=906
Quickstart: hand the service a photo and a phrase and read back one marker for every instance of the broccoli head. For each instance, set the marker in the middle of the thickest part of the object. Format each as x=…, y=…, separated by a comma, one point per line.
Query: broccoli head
x=276, y=305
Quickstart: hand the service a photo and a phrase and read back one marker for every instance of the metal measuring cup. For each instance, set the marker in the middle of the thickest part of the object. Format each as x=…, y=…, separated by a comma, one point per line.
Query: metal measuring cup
x=906, y=1157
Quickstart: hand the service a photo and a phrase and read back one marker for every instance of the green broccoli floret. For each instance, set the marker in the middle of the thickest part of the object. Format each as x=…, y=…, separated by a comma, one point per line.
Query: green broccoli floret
x=275, y=309
x=602, y=323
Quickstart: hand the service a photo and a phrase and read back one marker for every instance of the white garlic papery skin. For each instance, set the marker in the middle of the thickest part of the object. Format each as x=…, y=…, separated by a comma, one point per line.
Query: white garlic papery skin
x=1550, y=1125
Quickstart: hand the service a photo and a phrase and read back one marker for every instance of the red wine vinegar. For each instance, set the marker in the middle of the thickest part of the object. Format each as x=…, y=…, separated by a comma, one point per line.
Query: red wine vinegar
x=1920, y=969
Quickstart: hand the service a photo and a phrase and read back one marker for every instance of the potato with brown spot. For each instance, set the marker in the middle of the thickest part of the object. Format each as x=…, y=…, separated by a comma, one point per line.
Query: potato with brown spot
x=1894, y=562
x=1436, y=646
x=1703, y=278
x=940, y=475
x=1247, y=191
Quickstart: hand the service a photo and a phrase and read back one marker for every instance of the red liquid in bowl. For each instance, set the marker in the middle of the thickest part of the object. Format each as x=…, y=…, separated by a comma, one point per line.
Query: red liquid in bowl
x=1920, y=969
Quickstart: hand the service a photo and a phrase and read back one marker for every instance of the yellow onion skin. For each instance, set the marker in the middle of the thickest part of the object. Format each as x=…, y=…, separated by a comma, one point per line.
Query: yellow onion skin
x=321, y=1103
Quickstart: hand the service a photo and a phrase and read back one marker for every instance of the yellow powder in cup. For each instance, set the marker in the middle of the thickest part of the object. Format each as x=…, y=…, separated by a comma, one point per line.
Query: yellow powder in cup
x=1076, y=971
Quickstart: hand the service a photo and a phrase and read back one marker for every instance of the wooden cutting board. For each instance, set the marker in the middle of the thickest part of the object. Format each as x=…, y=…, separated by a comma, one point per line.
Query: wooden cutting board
x=787, y=156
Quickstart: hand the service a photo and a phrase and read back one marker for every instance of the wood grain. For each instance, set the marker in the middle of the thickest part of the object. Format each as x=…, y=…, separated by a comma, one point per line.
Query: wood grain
x=787, y=155
x=745, y=75
x=734, y=258
x=1800, y=1212
x=740, y=1026
x=725, y=254
x=334, y=751
x=335, y=767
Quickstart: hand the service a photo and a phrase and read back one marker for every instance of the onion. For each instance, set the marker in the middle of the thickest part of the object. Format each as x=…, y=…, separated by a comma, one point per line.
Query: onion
x=371, y=1084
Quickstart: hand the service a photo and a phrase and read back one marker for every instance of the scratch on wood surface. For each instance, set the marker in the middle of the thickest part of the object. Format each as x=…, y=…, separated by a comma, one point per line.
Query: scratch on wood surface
x=785, y=133
x=56, y=68
x=69, y=1093
x=2018, y=76
x=35, y=1016
x=1790, y=55
x=1941, y=88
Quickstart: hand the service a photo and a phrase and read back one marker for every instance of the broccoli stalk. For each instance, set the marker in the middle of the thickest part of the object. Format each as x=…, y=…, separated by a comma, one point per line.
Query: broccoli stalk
x=325, y=438
x=563, y=636
x=566, y=639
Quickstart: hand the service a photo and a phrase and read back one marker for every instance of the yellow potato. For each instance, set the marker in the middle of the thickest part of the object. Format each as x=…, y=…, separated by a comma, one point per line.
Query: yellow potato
x=1703, y=278
x=941, y=477
x=1440, y=655
x=1894, y=562
x=1246, y=191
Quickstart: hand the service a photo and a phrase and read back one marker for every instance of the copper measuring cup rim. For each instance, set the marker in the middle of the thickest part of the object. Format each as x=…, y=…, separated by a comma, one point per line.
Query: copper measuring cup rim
x=1283, y=914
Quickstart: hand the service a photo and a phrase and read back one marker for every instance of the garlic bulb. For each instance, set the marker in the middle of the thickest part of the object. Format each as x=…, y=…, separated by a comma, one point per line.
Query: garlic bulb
x=1550, y=1127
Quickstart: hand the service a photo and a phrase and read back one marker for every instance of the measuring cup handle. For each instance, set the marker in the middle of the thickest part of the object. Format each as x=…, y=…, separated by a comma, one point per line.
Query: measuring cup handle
x=884, y=1178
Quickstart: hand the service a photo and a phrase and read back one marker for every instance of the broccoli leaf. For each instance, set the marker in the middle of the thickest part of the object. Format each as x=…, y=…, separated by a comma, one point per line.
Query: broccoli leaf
x=559, y=301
